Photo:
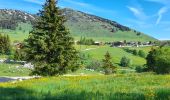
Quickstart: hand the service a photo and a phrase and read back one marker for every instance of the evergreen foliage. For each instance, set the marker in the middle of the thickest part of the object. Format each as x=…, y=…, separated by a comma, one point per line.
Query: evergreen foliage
x=108, y=65
x=5, y=45
x=50, y=46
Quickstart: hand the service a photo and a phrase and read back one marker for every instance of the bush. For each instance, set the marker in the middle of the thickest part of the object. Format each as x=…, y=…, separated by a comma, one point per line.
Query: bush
x=135, y=52
x=125, y=62
x=158, y=60
x=142, y=54
x=140, y=69
x=95, y=65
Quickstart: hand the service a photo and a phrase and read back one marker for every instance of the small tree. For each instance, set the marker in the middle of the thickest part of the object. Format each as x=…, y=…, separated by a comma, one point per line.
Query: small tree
x=142, y=54
x=125, y=62
x=5, y=45
x=108, y=65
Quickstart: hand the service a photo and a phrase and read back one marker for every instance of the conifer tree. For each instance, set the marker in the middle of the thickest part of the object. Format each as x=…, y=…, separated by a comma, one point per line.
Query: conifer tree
x=5, y=45
x=50, y=46
x=107, y=64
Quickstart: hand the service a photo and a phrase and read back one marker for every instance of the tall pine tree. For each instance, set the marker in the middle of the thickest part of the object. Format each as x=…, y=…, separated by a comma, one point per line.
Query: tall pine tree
x=50, y=46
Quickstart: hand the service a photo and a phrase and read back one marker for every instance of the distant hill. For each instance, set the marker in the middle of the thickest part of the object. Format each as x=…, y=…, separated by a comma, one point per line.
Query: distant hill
x=80, y=25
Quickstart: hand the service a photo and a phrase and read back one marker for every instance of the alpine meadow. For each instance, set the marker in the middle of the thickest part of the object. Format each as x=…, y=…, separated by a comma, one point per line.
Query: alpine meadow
x=84, y=50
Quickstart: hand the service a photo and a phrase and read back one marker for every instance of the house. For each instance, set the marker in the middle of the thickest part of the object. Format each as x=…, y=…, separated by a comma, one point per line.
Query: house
x=118, y=44
x=98, y=43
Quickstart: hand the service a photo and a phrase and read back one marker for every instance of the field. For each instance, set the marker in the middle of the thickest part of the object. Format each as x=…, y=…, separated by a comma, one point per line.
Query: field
x=99, y=87
x=98, y=52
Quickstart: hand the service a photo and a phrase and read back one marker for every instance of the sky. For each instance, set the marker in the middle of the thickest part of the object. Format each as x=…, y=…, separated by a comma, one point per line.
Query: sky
x=151, y=17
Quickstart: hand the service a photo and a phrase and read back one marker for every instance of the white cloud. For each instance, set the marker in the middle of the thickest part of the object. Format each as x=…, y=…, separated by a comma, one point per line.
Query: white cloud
x=138, y=12
x=162, y=11
x=40, y=2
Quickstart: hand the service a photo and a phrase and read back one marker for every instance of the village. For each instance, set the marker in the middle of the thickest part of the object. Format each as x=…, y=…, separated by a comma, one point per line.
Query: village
x=125, y=44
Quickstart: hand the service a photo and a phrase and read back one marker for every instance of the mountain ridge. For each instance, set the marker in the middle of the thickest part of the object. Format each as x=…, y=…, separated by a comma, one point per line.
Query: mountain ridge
x=80, y=24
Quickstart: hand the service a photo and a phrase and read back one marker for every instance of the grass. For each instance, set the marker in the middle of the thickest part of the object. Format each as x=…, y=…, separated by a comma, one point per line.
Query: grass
x=18, y=35
x=84, y=72
x=87, y=29
x=116, y=53
x=145, y=49
x=99, y=87
x=13, y=70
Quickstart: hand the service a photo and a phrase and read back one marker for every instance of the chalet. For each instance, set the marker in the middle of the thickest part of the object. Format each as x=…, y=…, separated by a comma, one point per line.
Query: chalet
x=98, y=43
x=118, y=44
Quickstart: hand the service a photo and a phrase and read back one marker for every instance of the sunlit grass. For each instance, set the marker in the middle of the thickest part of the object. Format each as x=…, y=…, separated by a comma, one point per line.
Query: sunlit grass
x=113, y=87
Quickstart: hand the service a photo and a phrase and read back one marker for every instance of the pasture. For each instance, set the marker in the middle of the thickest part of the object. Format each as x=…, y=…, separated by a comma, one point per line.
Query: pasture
x=95, y=87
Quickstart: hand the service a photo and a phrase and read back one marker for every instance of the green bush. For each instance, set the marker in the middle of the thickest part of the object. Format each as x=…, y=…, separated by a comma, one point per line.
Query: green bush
x=135, y=52
x=95, y=65
x=140, y=69
x=125, y=62
x=142, y=54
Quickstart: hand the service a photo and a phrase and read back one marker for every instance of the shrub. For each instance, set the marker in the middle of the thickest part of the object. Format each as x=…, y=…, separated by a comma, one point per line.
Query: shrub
x=140, y=69
x=142, y=54
x=125, y=62
x=95, y=65
x=135, y=52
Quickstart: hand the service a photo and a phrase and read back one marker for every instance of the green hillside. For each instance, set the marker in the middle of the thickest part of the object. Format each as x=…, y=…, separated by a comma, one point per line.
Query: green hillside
x=79, y=24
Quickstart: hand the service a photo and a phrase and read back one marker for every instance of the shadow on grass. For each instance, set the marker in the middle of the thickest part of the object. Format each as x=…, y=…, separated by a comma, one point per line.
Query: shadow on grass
x=16, y=94
x=24, y=94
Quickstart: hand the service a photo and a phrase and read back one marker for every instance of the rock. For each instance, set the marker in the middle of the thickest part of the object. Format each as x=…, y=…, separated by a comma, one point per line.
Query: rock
x=28, y=65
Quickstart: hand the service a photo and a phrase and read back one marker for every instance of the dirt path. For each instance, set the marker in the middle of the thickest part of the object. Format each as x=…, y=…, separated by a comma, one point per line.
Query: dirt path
x=90, y=49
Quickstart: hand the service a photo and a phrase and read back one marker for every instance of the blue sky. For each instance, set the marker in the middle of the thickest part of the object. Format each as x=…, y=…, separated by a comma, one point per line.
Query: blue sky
x=149, y=16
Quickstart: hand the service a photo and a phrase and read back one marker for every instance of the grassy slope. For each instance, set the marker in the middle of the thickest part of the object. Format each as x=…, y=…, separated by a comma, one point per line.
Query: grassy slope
x=85, y=27
x=114, y=87
x=18, y=35
x=116, y=53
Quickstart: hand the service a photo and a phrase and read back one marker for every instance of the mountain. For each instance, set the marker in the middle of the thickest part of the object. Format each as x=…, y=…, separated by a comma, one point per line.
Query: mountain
x=80, y=25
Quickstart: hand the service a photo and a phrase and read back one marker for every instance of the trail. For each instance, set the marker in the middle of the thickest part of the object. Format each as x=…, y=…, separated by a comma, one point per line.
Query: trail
x=90, y=49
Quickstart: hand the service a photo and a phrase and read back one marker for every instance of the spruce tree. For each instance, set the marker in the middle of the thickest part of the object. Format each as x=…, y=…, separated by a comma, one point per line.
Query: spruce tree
x=5, y=45
x=107, y=64
x=50, y=46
